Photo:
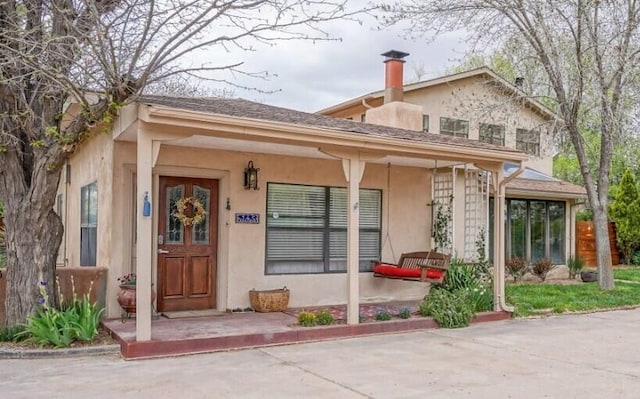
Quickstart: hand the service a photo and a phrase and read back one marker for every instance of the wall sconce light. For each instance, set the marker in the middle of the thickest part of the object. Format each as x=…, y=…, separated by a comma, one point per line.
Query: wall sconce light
x=251, y=177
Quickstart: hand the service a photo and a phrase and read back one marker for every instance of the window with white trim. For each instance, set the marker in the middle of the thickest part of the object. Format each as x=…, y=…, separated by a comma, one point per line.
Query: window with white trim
x=528, y=141
x=88, y=224
x=454, y=127
x=307, y=229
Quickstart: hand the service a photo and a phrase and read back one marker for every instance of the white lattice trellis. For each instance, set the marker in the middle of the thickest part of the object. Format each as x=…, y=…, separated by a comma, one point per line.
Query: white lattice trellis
x=476, y=199
x=443, y=191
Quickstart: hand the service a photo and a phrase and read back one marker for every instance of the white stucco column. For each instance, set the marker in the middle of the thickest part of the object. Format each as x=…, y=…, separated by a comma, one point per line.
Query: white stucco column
x=498, y=238
x=144, y=247
x=354, y=169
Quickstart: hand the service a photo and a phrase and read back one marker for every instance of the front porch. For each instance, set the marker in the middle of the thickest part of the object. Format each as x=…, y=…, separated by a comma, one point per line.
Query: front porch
x=172, y=337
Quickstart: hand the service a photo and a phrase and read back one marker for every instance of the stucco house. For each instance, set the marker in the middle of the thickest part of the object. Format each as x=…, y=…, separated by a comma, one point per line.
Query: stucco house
x=480, y=105
x=287, y=198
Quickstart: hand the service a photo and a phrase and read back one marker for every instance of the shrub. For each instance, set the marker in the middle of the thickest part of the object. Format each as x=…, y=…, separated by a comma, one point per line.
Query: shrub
x=542, y=267
x=575, y=266
x=635, y=259
x=584, y=215
x=449, y=309
x=516, y=268
x=383, y=315
x=306, y=319
x=459, y=276
x=60, y=327
x=471, y=279
x=480, y=298
x=324, y=318
x=9, y=334
x=404, y=313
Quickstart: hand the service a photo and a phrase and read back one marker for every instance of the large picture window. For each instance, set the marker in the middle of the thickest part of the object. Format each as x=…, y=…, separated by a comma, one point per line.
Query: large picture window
x=535, y=229
x=307, y=229
x=88, y=224
x=454, y=127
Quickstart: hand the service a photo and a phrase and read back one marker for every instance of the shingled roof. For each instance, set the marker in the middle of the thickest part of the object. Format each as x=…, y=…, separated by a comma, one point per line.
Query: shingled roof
x=558, y=188
x=240, y=108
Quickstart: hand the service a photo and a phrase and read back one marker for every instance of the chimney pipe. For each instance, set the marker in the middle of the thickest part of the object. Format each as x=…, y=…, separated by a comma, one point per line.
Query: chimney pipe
x=394, y=81
x=520, y=83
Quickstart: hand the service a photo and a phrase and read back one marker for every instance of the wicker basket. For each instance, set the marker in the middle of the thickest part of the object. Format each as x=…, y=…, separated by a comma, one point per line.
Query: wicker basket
x=269, y=301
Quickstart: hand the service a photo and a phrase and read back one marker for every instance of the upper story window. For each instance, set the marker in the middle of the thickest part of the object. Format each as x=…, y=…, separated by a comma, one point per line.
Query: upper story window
x=307, y=228
x=88, y=224
x=528, y=141
x=454, y=127
x=492, y=134
x=363, y=117
x=425, y=123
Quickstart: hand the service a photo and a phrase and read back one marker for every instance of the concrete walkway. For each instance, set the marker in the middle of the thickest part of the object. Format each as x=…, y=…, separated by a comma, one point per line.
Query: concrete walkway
x=574, y=356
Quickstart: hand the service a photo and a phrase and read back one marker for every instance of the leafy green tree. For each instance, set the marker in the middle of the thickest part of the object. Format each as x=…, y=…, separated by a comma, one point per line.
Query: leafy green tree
x=625, y=212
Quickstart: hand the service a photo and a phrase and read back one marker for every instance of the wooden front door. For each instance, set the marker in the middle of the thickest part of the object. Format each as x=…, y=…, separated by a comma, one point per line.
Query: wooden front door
x=187, y=254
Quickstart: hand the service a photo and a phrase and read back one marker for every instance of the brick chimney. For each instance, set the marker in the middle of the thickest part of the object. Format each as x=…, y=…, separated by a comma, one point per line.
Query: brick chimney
x=394, y=80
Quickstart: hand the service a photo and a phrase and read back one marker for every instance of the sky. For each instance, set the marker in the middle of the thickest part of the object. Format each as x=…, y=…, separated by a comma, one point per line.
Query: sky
x=310, y=76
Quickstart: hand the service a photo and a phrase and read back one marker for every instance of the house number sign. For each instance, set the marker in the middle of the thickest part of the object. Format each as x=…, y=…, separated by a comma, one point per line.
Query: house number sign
x=248, y=218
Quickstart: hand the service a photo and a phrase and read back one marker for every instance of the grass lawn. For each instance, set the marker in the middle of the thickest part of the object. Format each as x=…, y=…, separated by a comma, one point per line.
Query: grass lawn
x=630, y=274
x=527, y=298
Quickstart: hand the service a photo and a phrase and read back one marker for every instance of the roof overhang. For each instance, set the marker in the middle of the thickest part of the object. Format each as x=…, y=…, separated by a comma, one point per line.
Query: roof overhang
x=216, y=127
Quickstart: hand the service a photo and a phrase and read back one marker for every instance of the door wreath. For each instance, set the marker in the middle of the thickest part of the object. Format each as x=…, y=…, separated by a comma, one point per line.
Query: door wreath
x=189, y=211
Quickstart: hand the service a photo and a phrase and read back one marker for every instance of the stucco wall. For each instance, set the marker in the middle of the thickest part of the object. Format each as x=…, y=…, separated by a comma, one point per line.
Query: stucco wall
x=241, y=254
x=93, y=162
x=477, y=102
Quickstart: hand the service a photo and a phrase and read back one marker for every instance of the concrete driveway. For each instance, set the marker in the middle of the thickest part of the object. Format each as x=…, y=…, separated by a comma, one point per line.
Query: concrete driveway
x=574, y=356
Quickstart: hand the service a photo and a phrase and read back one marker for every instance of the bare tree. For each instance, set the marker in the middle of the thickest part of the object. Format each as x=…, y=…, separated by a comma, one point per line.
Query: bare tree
x=582, y=45
x=101, y=55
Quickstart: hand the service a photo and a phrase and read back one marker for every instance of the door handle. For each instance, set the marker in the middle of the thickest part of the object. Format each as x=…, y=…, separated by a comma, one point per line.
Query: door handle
x=162, y=251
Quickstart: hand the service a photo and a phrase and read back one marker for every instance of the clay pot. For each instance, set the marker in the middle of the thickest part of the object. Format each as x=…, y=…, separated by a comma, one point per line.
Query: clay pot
x=127, y=297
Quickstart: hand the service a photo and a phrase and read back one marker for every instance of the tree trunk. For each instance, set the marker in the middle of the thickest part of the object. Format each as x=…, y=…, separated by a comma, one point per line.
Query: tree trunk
x=33, y=232
x=603, y=248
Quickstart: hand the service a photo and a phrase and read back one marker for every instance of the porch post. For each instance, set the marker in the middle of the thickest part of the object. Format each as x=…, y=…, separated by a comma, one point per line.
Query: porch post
x=354, y=169
x=498, y=238
x=144, y=246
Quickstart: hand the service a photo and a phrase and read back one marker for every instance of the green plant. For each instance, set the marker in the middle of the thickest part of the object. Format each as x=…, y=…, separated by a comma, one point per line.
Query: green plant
x=542, y=267
x=60, y=327
x=127, y=279
x=635, y=259
x=625, y=212
x=449, y=309
x=584, y=215
x=9, y=334
x=480, y=298
x=472, y=280
x=575, y=265
x=460, y=275
x=88, y=317
x=324, y=318
x=404, y=313
x=383, y=315
x=516, y=268
x=442, y=223
x=306, y=319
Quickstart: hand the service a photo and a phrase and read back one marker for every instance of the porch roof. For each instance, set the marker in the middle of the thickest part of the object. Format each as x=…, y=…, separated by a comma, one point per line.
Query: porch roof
x=239, y=111
x=533, y=182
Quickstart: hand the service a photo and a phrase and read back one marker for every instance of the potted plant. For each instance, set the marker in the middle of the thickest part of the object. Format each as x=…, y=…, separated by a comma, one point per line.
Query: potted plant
x=127, y=294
